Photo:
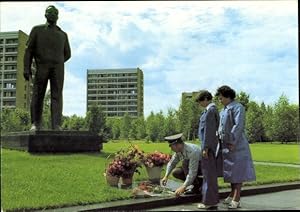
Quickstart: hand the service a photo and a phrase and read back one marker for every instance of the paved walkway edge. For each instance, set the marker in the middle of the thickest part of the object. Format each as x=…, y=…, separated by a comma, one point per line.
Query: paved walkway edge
x=143, y=204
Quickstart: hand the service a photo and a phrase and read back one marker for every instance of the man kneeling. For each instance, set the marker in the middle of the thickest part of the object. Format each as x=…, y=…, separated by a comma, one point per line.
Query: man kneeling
x=191, y=164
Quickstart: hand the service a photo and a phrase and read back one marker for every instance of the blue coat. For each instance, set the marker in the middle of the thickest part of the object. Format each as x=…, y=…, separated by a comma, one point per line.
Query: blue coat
x=208, y=127
x=237, y=164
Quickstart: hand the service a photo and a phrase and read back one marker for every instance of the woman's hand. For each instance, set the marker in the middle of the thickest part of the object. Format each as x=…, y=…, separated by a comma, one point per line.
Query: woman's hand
x=205, y=153
x=230, y=147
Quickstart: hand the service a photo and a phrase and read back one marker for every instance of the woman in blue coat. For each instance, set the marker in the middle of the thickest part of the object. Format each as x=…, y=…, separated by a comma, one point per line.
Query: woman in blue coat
x=208, y=127
x=237, y=161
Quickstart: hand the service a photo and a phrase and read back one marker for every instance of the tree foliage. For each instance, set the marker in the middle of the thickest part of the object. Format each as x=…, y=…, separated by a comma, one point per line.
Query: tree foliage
x=96, y=121
x=278, y=122
x=254, y=122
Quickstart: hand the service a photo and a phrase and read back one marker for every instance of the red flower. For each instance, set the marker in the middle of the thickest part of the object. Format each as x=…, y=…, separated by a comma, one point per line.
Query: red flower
x=125, y=162
x=156, y=159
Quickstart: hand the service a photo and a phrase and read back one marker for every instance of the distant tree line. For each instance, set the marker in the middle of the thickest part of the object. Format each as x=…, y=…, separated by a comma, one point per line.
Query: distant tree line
x=264, y=123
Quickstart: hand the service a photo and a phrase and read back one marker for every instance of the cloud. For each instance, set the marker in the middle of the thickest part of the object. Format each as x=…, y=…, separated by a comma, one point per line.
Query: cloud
x=180, y=46
x=74, y=95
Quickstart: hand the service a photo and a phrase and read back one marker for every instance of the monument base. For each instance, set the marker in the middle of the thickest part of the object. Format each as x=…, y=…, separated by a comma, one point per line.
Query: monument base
x=52, y=141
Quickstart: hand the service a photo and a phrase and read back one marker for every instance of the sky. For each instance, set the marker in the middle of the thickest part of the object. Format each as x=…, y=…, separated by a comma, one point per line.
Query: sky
x=181, y=46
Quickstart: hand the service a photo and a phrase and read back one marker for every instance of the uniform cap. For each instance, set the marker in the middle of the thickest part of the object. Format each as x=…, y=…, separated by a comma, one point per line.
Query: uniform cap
x=173, y=139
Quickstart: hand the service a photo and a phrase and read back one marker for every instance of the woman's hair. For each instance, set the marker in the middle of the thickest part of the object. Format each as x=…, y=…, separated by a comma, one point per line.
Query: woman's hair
x=203, y=94
x=226, y=91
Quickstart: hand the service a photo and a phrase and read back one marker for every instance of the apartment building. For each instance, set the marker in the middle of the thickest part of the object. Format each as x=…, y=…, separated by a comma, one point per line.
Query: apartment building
x=15, y=91
x=118, y=91
x=189, y=95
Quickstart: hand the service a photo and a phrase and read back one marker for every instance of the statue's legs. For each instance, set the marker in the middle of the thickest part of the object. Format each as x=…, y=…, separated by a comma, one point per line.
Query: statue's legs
x=38, y=94
x=56, y=76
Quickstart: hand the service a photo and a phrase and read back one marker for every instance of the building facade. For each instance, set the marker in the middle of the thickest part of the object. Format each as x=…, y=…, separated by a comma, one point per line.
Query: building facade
x=15, y=90
x=118, y=91
x=189, y=95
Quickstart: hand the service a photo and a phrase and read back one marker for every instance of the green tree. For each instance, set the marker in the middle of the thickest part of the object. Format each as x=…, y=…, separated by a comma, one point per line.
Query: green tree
x=114, y=123
x=133, y=129
x=23, y=118
x=296, y=129
x=188, y=115
x=152, y=128
x=14, y=120
x=125, y=126
x=160, y=123
x=96, y=121
x=243, y=98
x=196, y=111
x=185, y=116
x=267, y=113
x=284, y=127
x=74, y=123
x=254, y=122
x=46, y=117
x=171, y=122
x=141, y=128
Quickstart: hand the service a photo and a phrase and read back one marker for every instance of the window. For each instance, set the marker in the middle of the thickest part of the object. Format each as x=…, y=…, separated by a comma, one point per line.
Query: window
x=11, y=49
x=10, y=41
x=10, y=67
x=9, y=85
x=10, y=76
x=10, y=58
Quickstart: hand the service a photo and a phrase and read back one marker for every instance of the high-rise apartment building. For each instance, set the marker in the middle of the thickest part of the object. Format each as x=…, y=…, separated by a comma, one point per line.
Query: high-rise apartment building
x=15, y=91
x=189, y=95
x=118, y=91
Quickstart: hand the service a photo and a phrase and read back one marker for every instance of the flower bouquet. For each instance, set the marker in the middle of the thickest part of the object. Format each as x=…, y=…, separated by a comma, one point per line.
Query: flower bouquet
x=156, y=159
x=124, y=165
x=154, y=163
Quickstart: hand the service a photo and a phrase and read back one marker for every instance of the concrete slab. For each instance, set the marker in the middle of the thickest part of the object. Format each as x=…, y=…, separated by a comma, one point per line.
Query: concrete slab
x=177, y=202
x=283, y=200
x=52, y=141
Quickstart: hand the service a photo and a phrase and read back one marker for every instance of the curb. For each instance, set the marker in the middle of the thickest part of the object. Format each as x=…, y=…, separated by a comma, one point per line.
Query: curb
x=154, y=202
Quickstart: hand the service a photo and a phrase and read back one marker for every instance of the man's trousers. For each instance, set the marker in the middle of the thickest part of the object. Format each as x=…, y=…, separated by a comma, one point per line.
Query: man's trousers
x=54, y=73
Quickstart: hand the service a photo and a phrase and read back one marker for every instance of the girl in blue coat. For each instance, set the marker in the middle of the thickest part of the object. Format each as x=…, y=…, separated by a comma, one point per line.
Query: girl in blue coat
x=208, y=127
x=237, y=161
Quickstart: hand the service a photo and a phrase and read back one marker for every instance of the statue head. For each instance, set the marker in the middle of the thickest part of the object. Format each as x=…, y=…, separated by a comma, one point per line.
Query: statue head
x=51, y=14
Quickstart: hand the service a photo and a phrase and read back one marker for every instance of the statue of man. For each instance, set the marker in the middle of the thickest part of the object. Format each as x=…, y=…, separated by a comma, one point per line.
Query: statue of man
x=49, y=46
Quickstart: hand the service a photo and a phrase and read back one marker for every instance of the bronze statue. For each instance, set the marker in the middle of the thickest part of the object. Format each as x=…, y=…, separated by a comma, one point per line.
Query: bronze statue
x=49, y=46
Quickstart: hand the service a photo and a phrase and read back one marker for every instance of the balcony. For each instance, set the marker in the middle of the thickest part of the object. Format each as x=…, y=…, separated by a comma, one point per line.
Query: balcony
x=12, y=44
x=9, y=98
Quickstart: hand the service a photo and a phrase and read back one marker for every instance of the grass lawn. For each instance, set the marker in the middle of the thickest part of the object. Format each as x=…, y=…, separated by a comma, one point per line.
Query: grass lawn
x=55, y=180
x=279, y=153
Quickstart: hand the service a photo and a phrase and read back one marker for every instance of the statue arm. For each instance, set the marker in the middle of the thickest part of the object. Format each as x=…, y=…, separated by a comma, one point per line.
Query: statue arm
x=67, y=49
x=29, y=54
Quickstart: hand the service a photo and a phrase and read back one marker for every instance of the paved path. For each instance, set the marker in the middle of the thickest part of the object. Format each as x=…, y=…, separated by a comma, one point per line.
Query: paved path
x=283, y=200
x=277, y=164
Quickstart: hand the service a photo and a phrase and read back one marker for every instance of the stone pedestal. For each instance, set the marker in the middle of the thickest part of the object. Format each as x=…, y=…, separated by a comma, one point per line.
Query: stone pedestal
x=52, y=141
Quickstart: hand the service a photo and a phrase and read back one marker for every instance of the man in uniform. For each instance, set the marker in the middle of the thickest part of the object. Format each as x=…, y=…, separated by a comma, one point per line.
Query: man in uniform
x=191, y=164
x=49, y=46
